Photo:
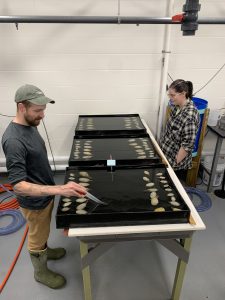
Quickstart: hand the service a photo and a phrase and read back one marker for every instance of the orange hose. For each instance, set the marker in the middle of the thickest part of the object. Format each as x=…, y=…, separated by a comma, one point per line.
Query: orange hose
x=6, y=185
x=14, y=260
x=12, y=204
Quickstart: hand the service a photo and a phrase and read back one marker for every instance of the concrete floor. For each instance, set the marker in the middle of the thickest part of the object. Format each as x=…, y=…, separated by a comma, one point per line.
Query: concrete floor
x=142, y=270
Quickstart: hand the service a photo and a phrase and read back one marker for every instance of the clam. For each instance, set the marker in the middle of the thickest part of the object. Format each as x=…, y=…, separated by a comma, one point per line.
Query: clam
x=85, y=184
x=163, y=181
x=152, y=190
x=140, y=151
x=81, y=206
x=176, y=209
x=66, y=200
x=174, y=203
x=81, y=212
x=154, y=201
x=87, y=153
x=153, y=195
x=84, y=174
x=65, y=209
x=81, y=200
x=146, y=178
x=66, y=204
x=83, y=179
x=159, y=209
x=133, y=144
x=150, y=184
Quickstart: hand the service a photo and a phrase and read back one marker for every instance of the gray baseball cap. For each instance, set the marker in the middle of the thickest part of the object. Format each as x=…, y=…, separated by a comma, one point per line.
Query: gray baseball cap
x=33, y=94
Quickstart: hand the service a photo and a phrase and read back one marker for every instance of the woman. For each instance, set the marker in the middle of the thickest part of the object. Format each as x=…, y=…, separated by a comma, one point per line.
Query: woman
x=179, y=136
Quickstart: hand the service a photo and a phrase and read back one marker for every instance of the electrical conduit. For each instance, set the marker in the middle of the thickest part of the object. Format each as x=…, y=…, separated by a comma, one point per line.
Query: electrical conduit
x=165, y=65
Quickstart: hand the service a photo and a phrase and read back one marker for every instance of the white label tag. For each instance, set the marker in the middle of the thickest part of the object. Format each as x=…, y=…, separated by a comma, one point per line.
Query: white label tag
x=111, y=163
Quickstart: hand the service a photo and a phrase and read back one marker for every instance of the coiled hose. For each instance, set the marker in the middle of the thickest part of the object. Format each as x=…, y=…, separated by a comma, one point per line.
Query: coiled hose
x=205, y=200
x=10, y=208
x=17, y=221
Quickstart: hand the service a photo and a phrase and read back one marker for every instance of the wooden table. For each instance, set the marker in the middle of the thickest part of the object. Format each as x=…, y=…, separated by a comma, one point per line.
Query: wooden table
x=175, y=237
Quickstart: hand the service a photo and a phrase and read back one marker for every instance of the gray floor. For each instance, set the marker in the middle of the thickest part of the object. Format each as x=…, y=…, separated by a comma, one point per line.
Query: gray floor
x=129, y=271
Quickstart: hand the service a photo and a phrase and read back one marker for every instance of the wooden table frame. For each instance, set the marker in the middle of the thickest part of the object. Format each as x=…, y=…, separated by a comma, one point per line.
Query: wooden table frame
x=177, y=238
x=179, y=244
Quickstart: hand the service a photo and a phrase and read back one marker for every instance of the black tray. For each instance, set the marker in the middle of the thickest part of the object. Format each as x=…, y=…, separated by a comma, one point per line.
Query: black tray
x=125, y=150
x=127, y=198
x=113, y=125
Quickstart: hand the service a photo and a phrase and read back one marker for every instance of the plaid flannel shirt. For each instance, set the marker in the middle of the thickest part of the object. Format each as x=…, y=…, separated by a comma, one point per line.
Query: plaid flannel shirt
x=180, y=131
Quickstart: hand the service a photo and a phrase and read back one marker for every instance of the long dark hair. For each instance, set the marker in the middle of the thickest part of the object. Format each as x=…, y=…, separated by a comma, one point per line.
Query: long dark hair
x=181, y=85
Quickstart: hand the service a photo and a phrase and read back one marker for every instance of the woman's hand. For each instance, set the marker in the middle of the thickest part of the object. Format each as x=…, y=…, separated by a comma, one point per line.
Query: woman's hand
x=180, y=155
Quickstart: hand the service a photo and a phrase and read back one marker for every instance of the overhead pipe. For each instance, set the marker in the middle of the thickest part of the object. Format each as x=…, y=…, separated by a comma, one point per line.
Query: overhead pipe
x=103, y=20
x=85, y=19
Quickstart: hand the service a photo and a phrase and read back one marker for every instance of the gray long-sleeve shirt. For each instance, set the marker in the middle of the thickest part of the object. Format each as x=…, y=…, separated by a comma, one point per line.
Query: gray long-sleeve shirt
x=26, y=160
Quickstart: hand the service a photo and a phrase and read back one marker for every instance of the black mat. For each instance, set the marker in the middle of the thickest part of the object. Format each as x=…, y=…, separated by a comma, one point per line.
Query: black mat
x=126, y=151
x=127, y=197
x=113, y=125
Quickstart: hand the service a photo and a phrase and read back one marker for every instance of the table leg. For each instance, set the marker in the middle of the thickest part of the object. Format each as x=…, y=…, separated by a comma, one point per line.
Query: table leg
x=214, y=163
x=180, y=272
x=85, y=272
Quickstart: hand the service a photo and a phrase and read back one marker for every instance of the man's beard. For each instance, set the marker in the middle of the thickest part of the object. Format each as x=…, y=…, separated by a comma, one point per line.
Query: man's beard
x=32, y=122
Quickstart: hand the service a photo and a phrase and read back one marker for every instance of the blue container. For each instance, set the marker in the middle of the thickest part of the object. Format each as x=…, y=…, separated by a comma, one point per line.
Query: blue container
x=201, y=105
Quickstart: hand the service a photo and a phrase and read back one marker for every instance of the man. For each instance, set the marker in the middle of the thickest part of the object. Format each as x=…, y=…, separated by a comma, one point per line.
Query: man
x=31, y=176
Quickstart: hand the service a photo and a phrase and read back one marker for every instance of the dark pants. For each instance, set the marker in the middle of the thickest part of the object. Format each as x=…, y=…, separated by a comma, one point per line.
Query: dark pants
x=181, y=174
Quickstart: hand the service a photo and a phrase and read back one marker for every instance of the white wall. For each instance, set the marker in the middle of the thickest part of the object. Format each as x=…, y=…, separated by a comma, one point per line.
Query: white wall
x=97, y=69
x=198, y=58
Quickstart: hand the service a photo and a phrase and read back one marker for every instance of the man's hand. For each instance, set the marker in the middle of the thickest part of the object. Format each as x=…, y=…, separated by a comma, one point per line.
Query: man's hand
x=69, y=189
x=73, y=189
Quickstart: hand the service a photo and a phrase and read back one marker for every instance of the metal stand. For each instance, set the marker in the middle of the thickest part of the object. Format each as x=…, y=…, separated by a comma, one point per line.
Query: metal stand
x=220, y=136
x=221, y=193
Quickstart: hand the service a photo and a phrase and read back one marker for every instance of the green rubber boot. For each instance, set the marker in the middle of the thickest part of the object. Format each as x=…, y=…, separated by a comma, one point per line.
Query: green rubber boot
x=41, y=272
x=55, y=253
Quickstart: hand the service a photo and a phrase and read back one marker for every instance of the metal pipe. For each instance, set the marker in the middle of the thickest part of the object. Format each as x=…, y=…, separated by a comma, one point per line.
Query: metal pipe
x=102, y=20
x=164, y=71
x=211, y=21
x=85, y=19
